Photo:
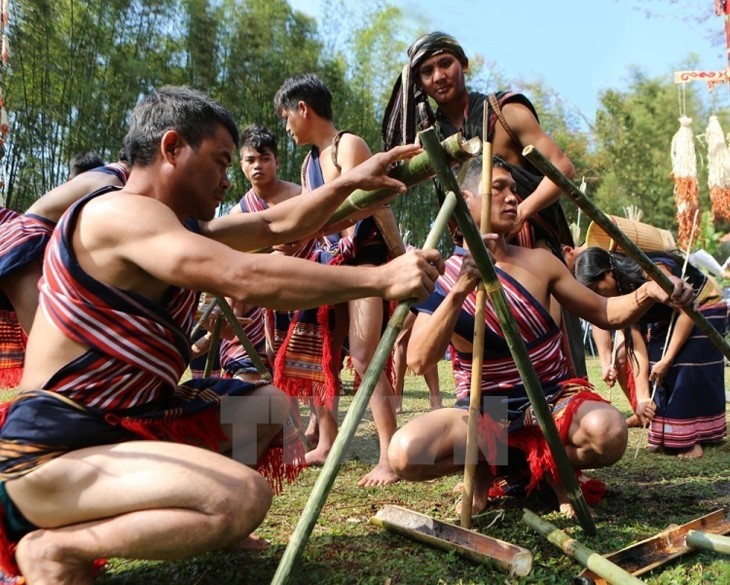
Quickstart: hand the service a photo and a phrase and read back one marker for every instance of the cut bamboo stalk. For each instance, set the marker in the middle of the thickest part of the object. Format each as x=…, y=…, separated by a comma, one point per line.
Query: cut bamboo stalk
x=515, y=343
x=327, y=476
x=253, y=355
x=631, y=249
x=708, y=541
x=472, y=545
x=203, y=318
x=602, y=567
x=215, y=337
x=475, y=389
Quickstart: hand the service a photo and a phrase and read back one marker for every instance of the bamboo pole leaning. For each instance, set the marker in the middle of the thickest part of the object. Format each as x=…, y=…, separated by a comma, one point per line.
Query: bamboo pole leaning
x=475, y=388
x=600, y=565
x=631, y=249
x=327, y=475
x=709, y=541
x=512, y=336
x=215, y=338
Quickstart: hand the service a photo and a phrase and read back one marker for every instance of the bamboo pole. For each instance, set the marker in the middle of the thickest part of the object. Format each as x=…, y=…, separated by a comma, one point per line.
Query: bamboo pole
x=215, y=337
x=253, y=355
x=203, y=317
x=475, y=389
x=708, y=541
x=512, y=336
x=326, y=478
x=601, y=566
x=631, y=249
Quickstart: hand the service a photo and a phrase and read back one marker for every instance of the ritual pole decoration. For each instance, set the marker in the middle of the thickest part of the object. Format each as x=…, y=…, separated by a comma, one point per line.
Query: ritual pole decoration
x=475, y=390
x=628, y=247
x=600, y=565
x=253, y=355
x=327, y=475
x=515, y=343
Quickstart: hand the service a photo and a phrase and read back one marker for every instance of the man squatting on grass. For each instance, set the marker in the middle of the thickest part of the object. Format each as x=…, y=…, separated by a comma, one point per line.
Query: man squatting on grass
x=595, y=433
x=110, y=341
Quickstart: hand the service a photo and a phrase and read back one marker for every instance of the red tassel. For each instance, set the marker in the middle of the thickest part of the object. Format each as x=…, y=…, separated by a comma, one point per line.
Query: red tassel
x=594, y=490
x=7, y=551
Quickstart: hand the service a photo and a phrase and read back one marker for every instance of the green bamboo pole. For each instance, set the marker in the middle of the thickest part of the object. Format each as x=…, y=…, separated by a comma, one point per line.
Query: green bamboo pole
x=253, y=355
x=326, y=478
x=708, y=541
x=612, y=573
x=215, y=337
x=512, y=336
x=631, y=249
x=410, y=172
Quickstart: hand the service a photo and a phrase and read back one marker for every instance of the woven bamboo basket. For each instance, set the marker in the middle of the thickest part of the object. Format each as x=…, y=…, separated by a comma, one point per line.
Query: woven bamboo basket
x=646, y=237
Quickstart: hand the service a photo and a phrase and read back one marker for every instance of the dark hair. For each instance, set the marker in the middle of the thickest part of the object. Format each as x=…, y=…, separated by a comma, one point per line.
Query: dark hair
x=307, y=88
x=84, y=161
x=593, y=263
x=258, y=138
x=191, y=113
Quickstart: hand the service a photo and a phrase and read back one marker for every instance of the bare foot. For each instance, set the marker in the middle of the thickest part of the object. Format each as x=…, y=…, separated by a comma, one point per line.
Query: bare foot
x=317, y=456
x=252, y=542
x=35, y=557
x=478, y=503
x=436, y=403
x=381, y=474
x=694, y=453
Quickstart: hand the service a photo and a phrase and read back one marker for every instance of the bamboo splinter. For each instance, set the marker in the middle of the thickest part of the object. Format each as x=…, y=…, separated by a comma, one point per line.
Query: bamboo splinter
x=327, y=476
x=533, y=388
x=631, y=249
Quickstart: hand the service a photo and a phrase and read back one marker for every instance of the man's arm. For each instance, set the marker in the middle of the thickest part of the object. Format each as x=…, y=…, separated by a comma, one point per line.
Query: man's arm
x=304, y=216
x=529, y=131
x=607, y=313
x=126, y=239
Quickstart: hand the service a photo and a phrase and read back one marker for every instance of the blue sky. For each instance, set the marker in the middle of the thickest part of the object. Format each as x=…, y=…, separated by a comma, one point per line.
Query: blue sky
x=577, y=47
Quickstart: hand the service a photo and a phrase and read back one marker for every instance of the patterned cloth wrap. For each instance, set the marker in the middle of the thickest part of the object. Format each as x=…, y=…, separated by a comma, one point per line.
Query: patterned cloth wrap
x=691, y=400
x=500, y=377
x=23, y=240
x=125, y=386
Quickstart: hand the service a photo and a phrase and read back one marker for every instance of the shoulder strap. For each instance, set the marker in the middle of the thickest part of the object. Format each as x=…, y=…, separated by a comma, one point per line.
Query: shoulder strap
x=333, y=151
x=498, y=111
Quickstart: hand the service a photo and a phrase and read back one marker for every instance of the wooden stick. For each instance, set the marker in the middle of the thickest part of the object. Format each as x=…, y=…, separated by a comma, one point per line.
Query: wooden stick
x=533, y=388
x=203, y=317
x=475, y=391
x=215, y=337
x=326, y=478
x=601, y=566
x=631, y=249
x=708, y=541
x=243, y=339
x=672, y=322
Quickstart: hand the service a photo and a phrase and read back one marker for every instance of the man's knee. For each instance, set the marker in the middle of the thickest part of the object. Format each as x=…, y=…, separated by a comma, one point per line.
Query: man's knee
x=244, y=505
x=407, y=455
x=606, y=432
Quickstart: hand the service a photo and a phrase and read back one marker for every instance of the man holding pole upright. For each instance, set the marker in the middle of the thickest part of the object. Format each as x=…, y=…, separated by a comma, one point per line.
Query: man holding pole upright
x=593, y=432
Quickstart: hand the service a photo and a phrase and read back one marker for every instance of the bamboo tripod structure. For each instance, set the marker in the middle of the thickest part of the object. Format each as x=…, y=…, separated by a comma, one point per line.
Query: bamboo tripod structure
x=328, y=474
x=512, y=336
x=631, y=249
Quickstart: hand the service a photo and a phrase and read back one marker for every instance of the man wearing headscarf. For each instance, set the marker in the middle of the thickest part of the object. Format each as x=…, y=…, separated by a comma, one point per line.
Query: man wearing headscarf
x=436, y=70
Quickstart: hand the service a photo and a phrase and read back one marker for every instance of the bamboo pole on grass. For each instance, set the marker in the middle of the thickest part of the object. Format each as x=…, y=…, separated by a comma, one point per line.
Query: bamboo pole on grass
x=475, y=389
x=631, y=249
x=600, y=565
x=512, y=336
x=709, y=541
x=327, y=475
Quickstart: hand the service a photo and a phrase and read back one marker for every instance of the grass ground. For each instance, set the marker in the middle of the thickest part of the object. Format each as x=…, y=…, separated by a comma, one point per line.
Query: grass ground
x=644, y=497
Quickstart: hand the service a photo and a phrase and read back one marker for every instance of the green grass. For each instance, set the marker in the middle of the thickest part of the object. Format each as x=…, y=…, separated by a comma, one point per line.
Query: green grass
x=645, y=496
